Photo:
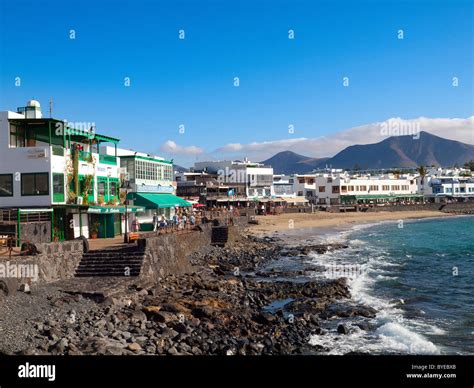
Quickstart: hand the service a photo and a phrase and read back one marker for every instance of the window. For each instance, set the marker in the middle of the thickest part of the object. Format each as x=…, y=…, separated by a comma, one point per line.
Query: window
x=113, y=189
x=17, y=136
x=58, y=187
x=395, y=188
x=34, y=184
x=101, y=188
x=322, y=189
x=343, y=189
x=386, y=188
x=335, y=189
x=168, y=172
x=363, y=188
x=149, y=170
x=374, y=188
x=6, y=185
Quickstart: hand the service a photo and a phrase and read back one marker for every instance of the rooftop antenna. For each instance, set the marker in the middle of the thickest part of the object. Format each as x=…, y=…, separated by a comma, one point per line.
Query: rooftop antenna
x=51, y=107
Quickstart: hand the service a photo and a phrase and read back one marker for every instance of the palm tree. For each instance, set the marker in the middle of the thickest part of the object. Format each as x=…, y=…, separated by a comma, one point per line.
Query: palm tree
x=469, y=165
x=423, y=172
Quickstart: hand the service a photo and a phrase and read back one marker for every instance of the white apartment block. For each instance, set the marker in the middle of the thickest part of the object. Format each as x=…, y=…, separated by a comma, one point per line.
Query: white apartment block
x=305, y=186
x=283, y=186
x=252, y=180
x=335, y=189
x=447, y=183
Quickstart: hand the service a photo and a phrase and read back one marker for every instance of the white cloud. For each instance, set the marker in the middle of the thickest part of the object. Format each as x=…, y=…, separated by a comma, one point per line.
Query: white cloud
x=172, y=148
x=454, y=129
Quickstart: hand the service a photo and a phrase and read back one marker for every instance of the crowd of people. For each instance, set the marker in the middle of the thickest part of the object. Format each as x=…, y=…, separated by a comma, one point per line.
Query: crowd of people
x=180, y=220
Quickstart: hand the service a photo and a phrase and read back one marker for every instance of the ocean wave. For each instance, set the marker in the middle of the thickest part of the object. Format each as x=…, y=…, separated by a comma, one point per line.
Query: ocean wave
x=382, y=277
x=390, y=338
x=399, y=338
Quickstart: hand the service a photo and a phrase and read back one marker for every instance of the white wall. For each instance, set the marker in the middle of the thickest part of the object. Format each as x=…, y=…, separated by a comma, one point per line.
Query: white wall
x=22, y=160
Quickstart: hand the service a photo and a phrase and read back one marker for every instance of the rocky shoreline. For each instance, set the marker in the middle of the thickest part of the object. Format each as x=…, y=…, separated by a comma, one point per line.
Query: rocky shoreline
x=234, y=303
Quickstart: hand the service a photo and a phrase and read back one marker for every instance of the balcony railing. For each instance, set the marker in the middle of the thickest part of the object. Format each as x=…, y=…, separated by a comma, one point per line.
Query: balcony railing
x=85, y=156
x=107, y=159
x=104, y=159
x=58, y=150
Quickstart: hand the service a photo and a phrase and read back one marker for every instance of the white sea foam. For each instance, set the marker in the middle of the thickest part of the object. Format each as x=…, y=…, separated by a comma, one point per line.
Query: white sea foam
x=395, y=334
x=398, y=337
x=382, y=277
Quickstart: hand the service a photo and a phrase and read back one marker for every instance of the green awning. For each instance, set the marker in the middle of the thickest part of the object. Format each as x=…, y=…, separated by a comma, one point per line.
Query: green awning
x=157, y=201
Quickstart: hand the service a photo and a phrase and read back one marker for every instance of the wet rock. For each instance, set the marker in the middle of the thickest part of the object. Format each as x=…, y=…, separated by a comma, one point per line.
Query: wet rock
x=264, y=318
x=365, y=326
x=342, y=329
x=346, y=311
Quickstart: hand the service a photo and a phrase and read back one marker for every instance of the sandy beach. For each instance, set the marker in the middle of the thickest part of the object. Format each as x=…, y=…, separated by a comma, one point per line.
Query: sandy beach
x=268, y=225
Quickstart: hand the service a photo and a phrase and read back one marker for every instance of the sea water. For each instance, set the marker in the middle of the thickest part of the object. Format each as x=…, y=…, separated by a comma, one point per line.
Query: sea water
x=419, y=275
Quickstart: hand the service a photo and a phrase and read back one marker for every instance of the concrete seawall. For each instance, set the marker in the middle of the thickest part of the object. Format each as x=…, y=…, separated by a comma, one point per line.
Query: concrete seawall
x=167, y=253
x=459, y=208
x=54, y=261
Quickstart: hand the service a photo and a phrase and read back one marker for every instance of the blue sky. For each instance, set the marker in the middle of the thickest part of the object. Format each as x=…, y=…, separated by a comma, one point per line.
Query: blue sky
x=191, y=81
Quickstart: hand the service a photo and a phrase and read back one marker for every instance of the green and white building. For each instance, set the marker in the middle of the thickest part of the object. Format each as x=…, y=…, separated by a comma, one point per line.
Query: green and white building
x=149, y=182
x=54, y=174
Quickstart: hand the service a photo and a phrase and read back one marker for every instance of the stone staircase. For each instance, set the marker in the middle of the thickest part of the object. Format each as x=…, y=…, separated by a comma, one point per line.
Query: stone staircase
x=111, y=262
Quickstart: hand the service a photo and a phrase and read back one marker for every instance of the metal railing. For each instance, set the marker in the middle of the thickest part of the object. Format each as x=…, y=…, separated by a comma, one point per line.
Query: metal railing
x=107, y=159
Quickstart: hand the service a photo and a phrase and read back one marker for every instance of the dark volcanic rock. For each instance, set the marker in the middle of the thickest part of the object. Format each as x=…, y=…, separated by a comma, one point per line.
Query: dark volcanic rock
x=342, y=329
x=218, y=309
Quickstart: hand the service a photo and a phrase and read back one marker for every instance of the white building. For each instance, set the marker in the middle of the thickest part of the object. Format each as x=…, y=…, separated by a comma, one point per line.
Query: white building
x=305, y=186
x=284, y=186
x=149, y=182
x=341, y=188
x=48, y=166
x=442, y=183
x=248, y=179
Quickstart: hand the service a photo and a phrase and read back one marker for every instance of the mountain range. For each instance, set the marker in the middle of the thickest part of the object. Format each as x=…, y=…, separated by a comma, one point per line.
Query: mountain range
x=393, y=152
